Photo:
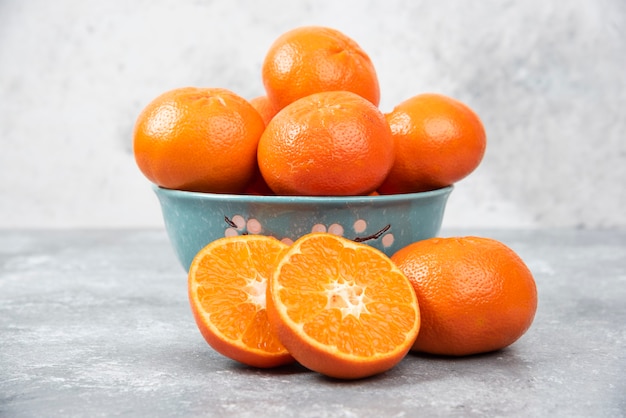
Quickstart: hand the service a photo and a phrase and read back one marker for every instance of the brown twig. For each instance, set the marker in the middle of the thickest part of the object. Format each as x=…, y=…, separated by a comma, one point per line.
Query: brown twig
x=230, y=222
x=373, y=236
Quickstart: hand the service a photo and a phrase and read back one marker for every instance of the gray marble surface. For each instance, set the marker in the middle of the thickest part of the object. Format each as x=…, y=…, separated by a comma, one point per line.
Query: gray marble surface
x=97, y=323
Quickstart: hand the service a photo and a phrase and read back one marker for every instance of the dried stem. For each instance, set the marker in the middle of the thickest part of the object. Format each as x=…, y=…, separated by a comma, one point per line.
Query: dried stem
x=373, y=236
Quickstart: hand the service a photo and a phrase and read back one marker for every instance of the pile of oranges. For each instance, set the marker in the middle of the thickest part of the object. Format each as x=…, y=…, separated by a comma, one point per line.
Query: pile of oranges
x=336, y=306
x=318, y=130
x=346, y=310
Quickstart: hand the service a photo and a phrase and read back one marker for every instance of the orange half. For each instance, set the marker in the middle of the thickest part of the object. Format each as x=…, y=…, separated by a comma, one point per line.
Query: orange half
x=342, y=308
x=227, y=292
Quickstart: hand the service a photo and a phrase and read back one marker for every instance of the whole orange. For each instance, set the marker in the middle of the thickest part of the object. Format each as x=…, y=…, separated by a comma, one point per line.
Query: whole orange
x=326, y=144
x=258, y=186
x=198, y=139
x=312, y=59
x=438, y=141
x=475, y=294
x=265, y=108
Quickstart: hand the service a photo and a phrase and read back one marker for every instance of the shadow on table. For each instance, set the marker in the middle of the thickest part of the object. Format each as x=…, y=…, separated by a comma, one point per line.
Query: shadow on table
x=415, y=367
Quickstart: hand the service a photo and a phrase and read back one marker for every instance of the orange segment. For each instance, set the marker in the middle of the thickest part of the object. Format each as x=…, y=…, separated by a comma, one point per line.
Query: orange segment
x=342, y=308
x=227, y=292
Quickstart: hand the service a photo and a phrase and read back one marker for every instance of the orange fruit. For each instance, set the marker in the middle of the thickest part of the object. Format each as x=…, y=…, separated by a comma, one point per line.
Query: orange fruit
x=476, y=295
x=329, y=143
x=265, y=108
x=341, y=308
x=312, y=59
x=227, y=290
x=198, y=139
x=258, y=186
x=438, y=141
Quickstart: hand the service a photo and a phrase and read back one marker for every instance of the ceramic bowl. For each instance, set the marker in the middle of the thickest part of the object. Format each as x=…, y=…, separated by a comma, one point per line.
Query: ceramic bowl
x=386, y=222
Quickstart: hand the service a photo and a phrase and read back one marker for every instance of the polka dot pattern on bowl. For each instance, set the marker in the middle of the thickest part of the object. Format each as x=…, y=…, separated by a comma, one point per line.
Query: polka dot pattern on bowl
x=239, y=225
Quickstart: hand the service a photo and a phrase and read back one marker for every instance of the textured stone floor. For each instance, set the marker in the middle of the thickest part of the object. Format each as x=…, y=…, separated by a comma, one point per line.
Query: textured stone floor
x=97, y=323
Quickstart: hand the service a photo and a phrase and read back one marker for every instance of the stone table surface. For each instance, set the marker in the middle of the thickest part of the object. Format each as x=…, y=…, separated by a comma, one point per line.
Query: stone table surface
x=97, y=323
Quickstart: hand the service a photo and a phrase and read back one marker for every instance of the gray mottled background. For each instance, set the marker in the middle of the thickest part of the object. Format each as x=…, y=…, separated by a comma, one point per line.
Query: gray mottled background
x=546, y=76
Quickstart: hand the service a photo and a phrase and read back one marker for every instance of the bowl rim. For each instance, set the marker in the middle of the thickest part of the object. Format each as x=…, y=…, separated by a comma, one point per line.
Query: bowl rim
x=301, y=199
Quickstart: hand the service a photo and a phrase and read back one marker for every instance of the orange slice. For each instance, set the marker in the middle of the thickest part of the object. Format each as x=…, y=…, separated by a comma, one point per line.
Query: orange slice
x=227, y=292
x=342, y=308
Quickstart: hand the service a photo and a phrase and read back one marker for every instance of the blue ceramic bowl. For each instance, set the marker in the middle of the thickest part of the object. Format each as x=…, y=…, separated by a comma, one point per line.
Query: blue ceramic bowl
x=387, y=222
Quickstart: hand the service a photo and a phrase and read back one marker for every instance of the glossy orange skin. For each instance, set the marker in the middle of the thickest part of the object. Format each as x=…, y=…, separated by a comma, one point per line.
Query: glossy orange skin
x=475, y=294
x=198, y=139
x=326, y=144
x=438, y=141
x=265, y=108
x=312, y=59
